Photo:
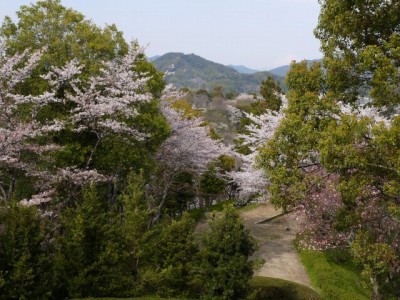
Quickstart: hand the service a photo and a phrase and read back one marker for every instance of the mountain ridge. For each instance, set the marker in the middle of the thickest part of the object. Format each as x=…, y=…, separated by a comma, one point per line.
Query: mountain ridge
x=243, y=69
x=283, y=70
x=195, y=72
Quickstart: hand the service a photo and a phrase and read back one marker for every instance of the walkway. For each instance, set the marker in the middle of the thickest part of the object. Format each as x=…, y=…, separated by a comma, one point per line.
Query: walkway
x=276, y=244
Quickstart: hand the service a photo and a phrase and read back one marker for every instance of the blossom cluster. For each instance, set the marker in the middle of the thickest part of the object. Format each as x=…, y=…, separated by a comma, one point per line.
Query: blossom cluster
x=251, y=179
x=104, y=104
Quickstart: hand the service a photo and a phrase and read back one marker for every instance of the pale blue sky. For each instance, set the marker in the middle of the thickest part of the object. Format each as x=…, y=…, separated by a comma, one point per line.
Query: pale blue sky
x=260, y=34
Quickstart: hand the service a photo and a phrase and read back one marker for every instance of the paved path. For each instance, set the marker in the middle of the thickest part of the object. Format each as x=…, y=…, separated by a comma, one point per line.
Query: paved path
x=276, y=244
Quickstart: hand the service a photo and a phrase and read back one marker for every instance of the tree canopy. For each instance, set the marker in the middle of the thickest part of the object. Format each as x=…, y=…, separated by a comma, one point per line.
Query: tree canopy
x=66, y=34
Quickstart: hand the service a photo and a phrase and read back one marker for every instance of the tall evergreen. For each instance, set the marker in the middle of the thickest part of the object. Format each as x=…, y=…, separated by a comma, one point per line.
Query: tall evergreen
x=226, y=268
x=92, y=256
x=26, y=263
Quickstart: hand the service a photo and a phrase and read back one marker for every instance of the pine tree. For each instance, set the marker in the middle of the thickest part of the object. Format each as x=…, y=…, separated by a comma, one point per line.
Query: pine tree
x=93, y=257
x=25, y=260
x=226, y=268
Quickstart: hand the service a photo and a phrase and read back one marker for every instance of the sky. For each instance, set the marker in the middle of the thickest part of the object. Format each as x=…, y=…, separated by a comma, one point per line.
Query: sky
x=260, y=34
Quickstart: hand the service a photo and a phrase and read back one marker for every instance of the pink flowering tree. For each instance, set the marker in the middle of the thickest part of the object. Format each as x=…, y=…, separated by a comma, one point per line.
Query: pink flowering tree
x=189, y=148
x=251, y=179
x=81, y=130
x=22, y=153
x=107, y=104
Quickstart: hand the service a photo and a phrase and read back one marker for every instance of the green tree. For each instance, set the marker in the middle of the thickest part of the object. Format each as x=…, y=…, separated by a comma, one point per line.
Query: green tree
x=181, y=194
x=307, y=117
x=214, y=186
x=359, y=39
x=171, y=258
x=204, y=93
x=134, y=216
x=270, y=91
x=211, y=186
x=226, y=268
x=163, y=256
x=26, y=265
x=217, y=92
x=93, y=258
x=66, y=34
x=377, y=260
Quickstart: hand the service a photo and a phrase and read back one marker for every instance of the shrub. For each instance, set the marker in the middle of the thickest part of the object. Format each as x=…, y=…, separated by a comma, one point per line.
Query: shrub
x=264, y=288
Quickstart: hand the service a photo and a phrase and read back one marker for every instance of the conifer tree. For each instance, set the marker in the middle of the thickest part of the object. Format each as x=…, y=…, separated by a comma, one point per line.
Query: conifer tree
x=226, y=268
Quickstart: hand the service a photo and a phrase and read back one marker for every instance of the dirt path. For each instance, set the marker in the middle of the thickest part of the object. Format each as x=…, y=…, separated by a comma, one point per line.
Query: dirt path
x=276, y=244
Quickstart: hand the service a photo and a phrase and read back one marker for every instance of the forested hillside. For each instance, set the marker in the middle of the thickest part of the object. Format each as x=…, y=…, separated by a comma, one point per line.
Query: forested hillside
x=195, y=72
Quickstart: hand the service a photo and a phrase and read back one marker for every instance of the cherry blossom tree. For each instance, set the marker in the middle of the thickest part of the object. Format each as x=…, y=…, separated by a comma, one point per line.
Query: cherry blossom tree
x=104, y=107
x=103, y=117
x=20, y=131
x=107, y=104
x=189, y=148
x=251, y=179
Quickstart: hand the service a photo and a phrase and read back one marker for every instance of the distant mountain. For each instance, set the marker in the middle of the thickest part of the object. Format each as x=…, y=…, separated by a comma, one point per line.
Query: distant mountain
x=195, y=72
x=153, y=58
x=280, y=71
x=243, y=69
x=283, y=70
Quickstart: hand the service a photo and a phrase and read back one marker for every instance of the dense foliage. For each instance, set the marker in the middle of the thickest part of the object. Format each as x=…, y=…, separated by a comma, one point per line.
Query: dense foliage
x=225, y=266
x=97, y=167
x=335, y=155
x=270, y=91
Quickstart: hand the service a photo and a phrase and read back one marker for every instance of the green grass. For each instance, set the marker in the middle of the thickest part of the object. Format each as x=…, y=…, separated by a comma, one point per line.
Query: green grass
x=261, y=288
x=265, y=288
x=334, y=274
x=198, y=213
x=247, y=207
x=138, y=298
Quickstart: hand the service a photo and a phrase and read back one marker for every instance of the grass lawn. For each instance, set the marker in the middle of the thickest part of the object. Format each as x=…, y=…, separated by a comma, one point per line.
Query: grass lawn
x=198, y=213
x=261, y=288
x=248, y=207
x=334, y=274
x=139, y=298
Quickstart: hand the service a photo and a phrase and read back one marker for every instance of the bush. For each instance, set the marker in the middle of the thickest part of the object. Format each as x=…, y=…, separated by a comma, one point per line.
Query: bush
x=264, y=288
